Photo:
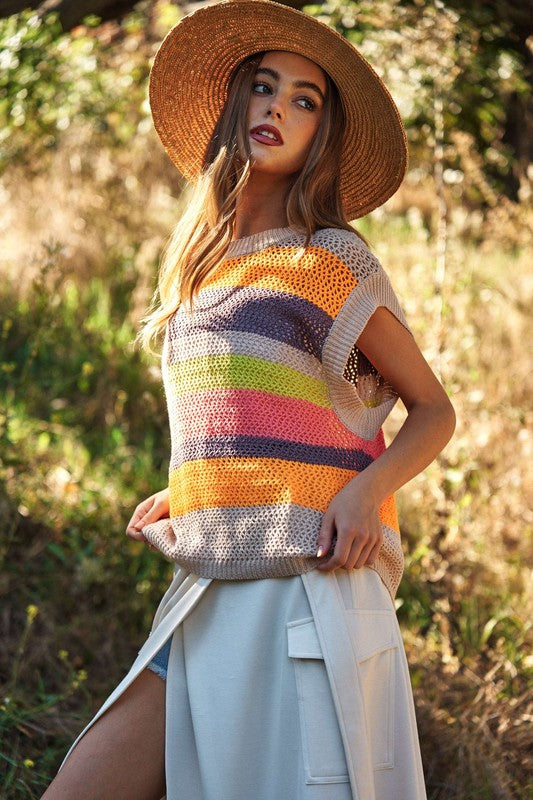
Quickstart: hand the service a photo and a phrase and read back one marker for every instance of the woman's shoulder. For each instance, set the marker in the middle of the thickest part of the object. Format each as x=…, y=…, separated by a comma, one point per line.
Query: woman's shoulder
x=339, y=234
x=347, y=247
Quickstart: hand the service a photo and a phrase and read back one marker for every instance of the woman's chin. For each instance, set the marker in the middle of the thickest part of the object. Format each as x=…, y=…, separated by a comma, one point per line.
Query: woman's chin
x=266, y=167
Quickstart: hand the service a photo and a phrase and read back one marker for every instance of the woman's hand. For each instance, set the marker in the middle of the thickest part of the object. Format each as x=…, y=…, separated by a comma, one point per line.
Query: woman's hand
x=353, y=515
x=150, y=510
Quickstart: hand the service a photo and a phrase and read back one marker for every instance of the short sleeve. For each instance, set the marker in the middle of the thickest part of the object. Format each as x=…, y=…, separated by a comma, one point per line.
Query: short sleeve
x=360, y=396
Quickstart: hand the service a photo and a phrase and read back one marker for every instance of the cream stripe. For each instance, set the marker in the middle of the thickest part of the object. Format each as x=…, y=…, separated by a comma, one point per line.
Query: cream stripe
x=211, y=343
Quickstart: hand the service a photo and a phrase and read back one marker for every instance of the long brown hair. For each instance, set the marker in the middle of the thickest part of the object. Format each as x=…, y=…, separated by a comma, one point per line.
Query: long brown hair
x=200, y=239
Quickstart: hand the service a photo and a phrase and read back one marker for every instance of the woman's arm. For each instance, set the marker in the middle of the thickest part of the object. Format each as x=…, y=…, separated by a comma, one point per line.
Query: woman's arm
x=354, y=511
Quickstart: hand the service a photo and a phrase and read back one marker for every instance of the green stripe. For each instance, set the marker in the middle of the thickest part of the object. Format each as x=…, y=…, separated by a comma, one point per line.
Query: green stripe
x=245, y=372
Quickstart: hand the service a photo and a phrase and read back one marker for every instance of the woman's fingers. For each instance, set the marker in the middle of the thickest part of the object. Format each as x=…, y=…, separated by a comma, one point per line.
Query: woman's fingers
x=339, y=555
x=362, y=557
x=358, y=543
x=138, y=519
x=325, y=536
x=374, y=552
x=355, y=549
x=150, y=510
x=370, y=548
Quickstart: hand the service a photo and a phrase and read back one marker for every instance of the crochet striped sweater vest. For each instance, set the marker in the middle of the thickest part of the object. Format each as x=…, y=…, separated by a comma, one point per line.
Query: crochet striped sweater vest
x=272, y=408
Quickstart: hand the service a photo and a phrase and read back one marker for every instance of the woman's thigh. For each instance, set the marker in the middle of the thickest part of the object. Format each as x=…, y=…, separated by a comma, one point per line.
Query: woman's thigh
x=123, y=753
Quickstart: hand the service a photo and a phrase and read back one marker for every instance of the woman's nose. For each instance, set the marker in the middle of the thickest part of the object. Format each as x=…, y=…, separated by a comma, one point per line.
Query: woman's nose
x=276, y=109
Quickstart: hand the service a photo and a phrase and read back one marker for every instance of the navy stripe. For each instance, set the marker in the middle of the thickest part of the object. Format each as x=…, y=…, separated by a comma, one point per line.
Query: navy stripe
x=276, y=315
x=270, y=447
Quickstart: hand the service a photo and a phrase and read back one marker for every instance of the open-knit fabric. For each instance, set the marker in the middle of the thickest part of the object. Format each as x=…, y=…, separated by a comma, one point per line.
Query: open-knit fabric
x=272, y=407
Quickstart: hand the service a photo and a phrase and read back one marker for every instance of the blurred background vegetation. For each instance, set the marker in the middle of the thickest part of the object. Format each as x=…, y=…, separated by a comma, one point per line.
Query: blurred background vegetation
x=88, y=199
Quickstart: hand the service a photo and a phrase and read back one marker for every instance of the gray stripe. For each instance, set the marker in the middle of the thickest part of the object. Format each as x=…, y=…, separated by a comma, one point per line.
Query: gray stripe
x=278, y=315
x=259, y=447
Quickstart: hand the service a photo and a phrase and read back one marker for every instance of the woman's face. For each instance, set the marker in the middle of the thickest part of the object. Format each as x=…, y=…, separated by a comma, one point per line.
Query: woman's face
x=288, y=95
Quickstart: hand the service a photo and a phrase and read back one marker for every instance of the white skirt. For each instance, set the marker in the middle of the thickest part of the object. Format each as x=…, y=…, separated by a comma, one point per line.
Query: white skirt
x=284, y=689
x=253, y=720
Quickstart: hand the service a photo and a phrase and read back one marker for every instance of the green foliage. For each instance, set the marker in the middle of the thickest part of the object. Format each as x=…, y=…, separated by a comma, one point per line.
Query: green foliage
x=431, y=53
x=84, y=427
x=21, y=779
x=63, y=351
x=50, y=78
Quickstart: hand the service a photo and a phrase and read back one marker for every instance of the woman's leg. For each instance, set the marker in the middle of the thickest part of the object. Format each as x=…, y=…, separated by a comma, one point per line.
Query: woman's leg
x=123, y=754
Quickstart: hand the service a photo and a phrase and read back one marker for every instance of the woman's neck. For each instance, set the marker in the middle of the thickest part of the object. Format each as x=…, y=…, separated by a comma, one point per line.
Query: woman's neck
x=262, y=206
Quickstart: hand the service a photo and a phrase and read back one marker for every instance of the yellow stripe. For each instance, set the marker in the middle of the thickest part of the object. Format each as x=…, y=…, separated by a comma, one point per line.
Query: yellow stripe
x=225, y=371
x=223, y=482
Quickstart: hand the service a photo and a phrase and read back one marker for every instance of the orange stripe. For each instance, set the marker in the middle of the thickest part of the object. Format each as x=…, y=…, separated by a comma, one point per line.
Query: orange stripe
x=224, y=482
x=319, y=276
x=389, y=514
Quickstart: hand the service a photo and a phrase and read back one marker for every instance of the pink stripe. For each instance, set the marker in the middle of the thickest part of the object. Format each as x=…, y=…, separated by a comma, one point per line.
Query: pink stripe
x=238, y=412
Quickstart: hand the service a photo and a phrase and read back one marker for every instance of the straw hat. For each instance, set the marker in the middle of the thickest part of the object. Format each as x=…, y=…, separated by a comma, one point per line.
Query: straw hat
x=191, y=72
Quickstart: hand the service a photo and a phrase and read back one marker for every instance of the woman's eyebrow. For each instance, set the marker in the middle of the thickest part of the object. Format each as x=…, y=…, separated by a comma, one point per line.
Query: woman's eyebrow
x=298, y=84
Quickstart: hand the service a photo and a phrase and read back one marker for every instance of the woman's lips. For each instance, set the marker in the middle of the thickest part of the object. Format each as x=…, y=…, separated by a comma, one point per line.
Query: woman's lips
x=265, y=139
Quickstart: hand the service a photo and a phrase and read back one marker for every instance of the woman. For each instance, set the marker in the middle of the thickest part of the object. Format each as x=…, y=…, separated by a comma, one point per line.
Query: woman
x=275, y=667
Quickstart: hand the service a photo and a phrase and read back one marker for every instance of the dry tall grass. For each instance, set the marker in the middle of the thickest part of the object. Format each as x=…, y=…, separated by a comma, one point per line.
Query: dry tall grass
x=467, y=521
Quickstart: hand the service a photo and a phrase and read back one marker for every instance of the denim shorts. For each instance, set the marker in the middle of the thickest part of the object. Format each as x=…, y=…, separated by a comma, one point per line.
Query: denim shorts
x=159, y=663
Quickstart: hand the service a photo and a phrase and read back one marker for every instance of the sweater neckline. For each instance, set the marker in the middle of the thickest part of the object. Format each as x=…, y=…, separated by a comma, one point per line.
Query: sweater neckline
x=258, y=241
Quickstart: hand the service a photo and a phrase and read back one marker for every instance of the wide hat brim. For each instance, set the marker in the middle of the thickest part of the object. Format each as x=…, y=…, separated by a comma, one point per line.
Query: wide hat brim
x=191, y=72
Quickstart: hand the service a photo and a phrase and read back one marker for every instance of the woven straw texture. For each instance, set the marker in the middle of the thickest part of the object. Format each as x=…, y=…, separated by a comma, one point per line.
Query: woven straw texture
x=191, y=72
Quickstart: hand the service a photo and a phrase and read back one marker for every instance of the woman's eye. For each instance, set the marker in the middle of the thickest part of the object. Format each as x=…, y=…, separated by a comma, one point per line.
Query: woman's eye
x=258, y=87
x=305, y=102
x=310, y=104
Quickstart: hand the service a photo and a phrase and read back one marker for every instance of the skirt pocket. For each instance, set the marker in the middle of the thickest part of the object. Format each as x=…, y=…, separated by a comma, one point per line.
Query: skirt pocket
x=376, y=651
x=323, y=750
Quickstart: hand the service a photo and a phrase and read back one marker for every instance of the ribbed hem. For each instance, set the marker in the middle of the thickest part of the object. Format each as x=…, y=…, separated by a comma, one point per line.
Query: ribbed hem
x=249, y=569
x=389, y=564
